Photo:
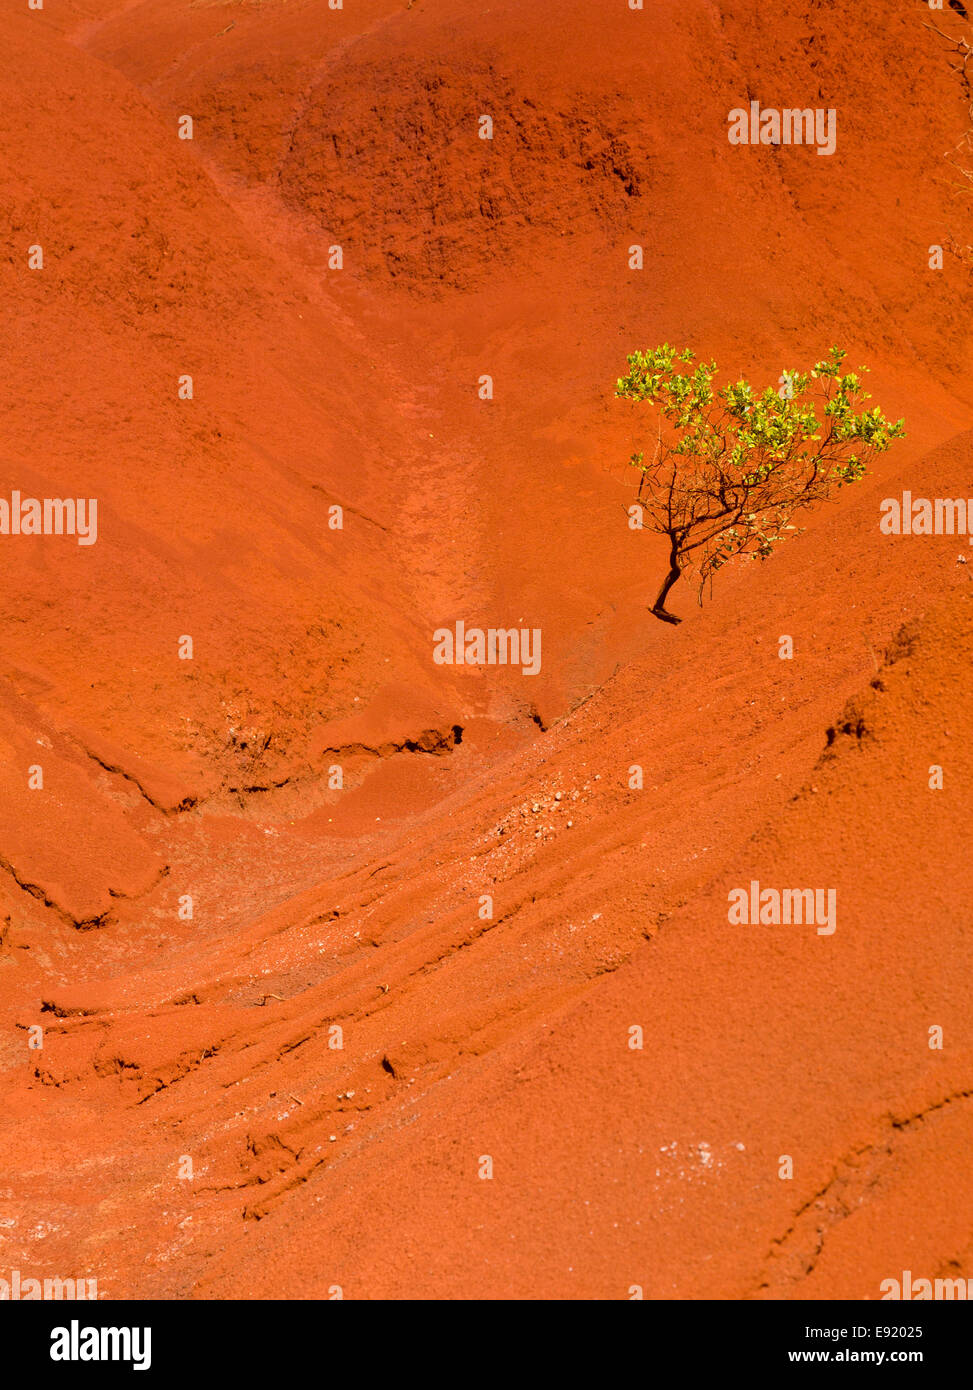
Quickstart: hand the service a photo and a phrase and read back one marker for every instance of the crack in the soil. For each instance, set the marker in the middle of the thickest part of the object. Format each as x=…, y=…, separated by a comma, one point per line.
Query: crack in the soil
x=856, y=1175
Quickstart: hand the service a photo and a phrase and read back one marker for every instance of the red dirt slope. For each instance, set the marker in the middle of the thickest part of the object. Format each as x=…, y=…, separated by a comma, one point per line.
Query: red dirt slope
x=360, y=908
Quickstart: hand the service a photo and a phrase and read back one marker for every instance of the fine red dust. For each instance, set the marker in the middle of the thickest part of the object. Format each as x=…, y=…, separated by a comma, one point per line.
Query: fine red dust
x=341, y=1034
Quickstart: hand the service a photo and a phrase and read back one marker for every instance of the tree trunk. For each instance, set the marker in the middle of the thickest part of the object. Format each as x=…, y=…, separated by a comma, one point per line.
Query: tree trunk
x=659, y=609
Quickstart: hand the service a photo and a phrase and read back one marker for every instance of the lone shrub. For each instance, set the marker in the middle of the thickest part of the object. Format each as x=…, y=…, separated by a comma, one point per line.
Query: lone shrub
x=730, y=467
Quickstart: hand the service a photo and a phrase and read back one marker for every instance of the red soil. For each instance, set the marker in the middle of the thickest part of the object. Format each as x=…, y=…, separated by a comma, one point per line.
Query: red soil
x=358, y=1167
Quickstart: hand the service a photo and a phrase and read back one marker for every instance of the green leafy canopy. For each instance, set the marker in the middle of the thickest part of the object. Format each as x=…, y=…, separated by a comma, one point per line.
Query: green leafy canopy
x=731, y=466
